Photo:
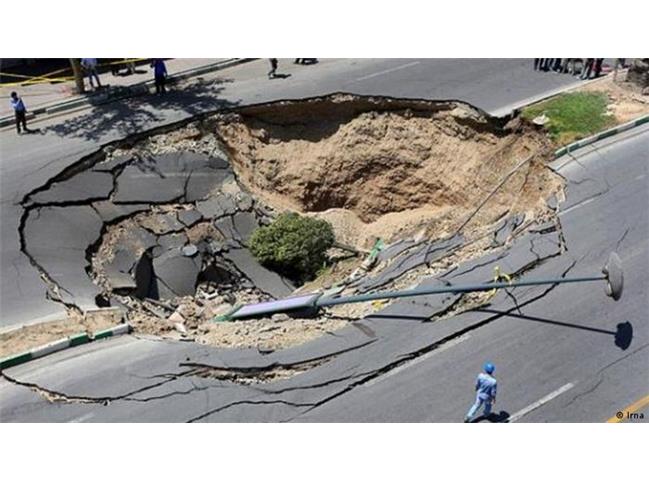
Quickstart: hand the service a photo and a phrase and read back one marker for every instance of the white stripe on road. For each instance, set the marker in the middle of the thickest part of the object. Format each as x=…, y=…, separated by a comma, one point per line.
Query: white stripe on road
x=418, y=360
x=82, y=418
x=393, y=69
x=538, y=403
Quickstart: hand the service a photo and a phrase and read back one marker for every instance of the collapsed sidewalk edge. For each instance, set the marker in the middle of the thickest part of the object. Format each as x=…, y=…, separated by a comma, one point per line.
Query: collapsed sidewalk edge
x=62, y=344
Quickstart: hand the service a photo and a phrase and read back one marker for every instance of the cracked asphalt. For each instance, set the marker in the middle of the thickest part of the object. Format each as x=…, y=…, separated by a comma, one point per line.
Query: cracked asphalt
x=402, y=366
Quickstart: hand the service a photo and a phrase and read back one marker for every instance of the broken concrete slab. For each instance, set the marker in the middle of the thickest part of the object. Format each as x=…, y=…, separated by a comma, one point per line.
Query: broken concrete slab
x=123, y=261
x=109, y=212
x=120, y=281
x=170, y=242
x=226, y=227
x=57, y=238
x=244, y=223
x=395, y=249
x=85, y=186
x=176, y=272
x=189, y=217
x=112, y=164
x=506, y=228
x=217, y=206
x=264, y=279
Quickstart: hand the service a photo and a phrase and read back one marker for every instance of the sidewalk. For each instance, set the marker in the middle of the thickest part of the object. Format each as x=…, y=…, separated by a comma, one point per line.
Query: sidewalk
x=43, y=98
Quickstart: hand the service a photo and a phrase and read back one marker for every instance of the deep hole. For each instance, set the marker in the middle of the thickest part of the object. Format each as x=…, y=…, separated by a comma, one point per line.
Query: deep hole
x=102, y=301
x=145, y=280
x=216, y=274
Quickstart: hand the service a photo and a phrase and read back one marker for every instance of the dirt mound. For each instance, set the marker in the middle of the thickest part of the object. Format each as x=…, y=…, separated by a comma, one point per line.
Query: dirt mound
x=384, y=167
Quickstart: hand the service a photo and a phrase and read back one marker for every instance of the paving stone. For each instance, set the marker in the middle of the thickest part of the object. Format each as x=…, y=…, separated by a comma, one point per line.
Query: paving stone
x=217, y=206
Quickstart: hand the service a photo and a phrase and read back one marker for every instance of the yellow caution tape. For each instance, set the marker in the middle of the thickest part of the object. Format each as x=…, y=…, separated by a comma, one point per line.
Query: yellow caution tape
x=48, y=78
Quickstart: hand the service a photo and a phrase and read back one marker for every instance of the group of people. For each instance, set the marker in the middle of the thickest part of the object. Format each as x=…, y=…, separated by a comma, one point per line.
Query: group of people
x=587, y=67
x=89, y=67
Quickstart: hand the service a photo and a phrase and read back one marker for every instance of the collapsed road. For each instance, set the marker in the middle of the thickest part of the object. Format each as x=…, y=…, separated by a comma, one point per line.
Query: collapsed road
x=151, y=379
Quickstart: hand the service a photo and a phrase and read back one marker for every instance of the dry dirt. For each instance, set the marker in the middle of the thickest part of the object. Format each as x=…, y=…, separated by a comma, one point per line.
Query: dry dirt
x=32, y=336
x=626, y=100
x=384, y=172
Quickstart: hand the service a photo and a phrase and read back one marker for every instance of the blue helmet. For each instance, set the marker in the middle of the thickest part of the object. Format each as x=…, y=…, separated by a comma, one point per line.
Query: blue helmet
x=489, y=368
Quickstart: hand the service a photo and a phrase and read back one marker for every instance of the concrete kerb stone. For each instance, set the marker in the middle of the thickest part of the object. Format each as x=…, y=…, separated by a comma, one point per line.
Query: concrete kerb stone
x=134, y=90
x=62, y=344
x=600, y=136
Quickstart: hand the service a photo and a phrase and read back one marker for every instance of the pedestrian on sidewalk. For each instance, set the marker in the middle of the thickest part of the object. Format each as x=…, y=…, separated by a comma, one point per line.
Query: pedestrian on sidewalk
x=273, y=68
x=20, y=111
x=485, y=387
x=160, y=75
x=90, y=68
x=598, y=67
x=587, y=69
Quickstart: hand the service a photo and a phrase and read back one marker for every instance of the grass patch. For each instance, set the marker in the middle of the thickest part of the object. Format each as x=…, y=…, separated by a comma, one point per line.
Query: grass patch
x=573, y=116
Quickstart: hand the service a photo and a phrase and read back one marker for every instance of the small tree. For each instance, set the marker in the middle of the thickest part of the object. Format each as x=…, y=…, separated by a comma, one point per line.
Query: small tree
x=293, y=245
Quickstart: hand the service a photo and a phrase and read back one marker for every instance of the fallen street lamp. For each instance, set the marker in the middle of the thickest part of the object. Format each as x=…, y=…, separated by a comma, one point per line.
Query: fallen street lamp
x=308, y=305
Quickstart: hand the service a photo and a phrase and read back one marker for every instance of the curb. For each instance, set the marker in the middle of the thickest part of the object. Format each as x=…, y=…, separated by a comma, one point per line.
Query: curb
x=62, y=344
x=600, y=136
x=121, y=92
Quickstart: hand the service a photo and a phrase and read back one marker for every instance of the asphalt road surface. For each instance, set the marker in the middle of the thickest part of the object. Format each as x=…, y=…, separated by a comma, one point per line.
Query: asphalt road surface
x=558, y=357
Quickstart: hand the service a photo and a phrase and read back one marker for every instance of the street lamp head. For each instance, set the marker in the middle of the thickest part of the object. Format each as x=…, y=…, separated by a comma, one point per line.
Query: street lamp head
x=614, y=276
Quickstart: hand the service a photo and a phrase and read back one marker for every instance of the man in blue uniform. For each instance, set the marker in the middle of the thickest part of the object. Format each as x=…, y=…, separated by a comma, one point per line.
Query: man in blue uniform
x=485, y=387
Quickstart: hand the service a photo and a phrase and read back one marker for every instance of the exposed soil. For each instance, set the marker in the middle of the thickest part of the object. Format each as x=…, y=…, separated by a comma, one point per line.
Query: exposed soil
x=626, y=101
x=32, y=336
x=386, y=170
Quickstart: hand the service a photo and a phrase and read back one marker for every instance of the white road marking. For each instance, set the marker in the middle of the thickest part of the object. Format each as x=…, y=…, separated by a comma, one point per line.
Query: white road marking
x=387, y=71
x=538, y=403
x=82, y=418
x=418, y=360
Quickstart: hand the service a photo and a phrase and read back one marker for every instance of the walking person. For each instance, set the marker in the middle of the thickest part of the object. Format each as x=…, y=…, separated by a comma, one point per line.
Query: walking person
x=273, y=68
x=90, y=68
x=160, y=75
x=485, y=387
x=20, y=111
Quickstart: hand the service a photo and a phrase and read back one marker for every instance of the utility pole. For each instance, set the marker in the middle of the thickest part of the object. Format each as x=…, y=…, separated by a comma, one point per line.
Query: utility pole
x=78, y=75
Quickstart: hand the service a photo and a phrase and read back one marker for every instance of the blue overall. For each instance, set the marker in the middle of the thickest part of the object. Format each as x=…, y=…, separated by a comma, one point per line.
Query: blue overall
x=485, y=386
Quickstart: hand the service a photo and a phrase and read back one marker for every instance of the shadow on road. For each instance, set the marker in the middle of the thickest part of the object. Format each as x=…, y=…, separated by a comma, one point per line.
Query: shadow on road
x=623, y=334
x=128, y=116
x=500, y=417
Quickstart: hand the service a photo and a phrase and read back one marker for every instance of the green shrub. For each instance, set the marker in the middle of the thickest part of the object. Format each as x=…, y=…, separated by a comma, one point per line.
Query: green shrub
x=293, y=245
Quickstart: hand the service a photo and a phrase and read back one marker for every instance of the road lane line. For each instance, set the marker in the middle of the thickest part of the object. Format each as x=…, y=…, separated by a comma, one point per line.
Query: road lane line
x=82, y=418
x=387, y=71
x=634, y=407
x=418, y=360
x=542, y=401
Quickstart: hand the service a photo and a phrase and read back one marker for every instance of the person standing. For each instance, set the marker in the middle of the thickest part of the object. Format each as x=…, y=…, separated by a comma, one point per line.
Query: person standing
x=587, y=69
x=90, y=67
x=160, y=75
x=598, y=67
x=273, y=68
x=485, y=387
x=20, y=112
